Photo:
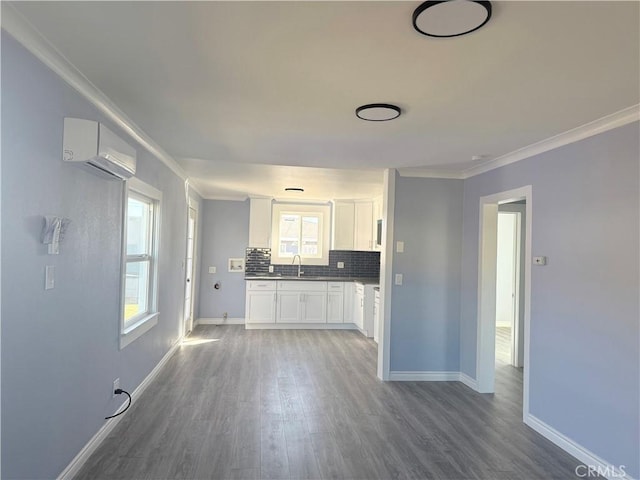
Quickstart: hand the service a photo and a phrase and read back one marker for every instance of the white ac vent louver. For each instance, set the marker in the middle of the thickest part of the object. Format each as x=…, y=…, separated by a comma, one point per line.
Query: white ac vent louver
x=91, y=144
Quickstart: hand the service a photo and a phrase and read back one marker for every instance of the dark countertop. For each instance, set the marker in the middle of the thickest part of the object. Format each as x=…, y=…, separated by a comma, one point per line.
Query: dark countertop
x=367, y=281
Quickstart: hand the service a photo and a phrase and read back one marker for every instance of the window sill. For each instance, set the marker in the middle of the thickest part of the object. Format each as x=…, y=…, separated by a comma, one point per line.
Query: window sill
x=138, y=329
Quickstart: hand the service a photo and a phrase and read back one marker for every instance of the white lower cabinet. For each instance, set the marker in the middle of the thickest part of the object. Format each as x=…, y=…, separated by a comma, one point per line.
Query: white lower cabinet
x=363, y=304
x=289, y=307
x=310, y=302
x=376, y=315
x=335, y=302
x=301, y=302
x=260, y=304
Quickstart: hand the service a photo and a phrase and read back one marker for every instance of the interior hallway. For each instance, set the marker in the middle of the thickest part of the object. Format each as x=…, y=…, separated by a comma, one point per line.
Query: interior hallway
x=236, y=403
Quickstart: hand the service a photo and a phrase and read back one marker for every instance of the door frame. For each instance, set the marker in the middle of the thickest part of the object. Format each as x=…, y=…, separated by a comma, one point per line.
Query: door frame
x=487, y=258
x=191, y=205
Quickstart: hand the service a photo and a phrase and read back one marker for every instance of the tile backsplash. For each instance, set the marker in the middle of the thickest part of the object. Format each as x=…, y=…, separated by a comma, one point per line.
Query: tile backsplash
x=356, y=264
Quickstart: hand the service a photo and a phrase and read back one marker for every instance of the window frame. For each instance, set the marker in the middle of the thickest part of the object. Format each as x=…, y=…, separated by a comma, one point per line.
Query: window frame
x=322, y=211
x=141, y=323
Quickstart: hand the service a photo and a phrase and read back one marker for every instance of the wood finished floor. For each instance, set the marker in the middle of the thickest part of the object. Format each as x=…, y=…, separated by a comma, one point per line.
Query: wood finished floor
x=280, y=404
x=503, y=344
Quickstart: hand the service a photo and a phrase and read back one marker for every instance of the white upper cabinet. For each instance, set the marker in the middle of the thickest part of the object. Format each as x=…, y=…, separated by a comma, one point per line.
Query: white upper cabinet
x=344, y=220
x=363, y=238
x=354, y=226
x=260, y=223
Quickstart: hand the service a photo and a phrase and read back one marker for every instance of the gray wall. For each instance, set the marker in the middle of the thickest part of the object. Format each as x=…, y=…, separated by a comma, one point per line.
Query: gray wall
x=225, y=234
x=60, y=347
x=584, y=303
x=425, y=310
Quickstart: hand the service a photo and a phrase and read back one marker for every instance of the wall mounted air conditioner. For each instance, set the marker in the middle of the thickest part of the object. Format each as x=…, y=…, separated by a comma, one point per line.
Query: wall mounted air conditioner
x=94, y=146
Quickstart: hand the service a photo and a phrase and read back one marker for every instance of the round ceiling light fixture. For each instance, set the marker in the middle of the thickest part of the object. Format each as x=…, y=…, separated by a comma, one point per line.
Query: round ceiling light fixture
x=378, y=112
x=450, y=18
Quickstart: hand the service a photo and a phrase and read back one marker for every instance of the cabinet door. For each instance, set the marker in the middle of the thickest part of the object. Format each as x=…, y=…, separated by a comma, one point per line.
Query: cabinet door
x=261, y=307
x=363, y=230
x=314, y=307
x=260, y=222
x=376, y=319
x=343, y=225
x=358, y=310
x=335, y=311
x=288, y=307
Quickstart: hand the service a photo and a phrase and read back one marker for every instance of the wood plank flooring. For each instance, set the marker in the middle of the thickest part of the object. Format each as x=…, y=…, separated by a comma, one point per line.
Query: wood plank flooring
x=299, y=404
x=503, y=345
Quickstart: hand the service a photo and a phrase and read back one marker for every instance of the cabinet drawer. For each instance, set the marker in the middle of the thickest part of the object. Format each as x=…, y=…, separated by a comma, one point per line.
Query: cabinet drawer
x=261, y=285
x=335, y=287
x=302, y=286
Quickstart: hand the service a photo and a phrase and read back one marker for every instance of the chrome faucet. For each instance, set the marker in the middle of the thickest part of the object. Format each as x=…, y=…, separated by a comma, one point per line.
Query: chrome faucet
x=299, y=263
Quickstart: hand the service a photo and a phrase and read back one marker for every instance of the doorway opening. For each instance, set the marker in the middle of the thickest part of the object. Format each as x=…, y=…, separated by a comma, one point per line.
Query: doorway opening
x=190, y=270
x=517, y=201
x=510, y=284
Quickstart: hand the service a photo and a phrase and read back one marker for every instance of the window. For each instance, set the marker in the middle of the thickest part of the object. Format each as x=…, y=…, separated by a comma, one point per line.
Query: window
x=140, y=260
x=300, y=229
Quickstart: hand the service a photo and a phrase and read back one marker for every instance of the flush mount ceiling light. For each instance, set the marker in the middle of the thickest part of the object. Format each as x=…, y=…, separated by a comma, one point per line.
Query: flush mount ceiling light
x=378, y=112
x=450, y=18
x=294, y=189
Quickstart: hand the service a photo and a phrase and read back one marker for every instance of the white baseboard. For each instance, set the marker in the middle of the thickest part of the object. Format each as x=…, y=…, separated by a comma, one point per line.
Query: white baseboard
x=399, y=376
x=468, y=381
x=219, y=321
x=589, y=459
x=300, y=326
x=76, y=464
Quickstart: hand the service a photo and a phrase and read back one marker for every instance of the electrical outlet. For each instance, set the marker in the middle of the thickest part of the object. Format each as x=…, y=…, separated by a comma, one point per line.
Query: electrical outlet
x=116, y=386
x=225, y=315
x=340, y=265
x=270, y=268
x=212, y=269
x=398, y=279
x=539, y=260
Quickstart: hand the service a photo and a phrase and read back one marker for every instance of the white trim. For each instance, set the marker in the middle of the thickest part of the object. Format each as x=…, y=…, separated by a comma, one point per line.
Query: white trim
x=609, y=122
x=427, y=172
x=300, y=326
x=79, y=460
x=386, y=271
x=138, y=329
x=468, y=381
x=487, y=251
x=16, y=25
x=578, y=451
x=400, y=376
x=219, y=321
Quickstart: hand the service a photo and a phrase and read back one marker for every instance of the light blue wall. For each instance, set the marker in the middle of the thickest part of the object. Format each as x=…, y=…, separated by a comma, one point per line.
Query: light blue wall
x=225, y=234
x=584, y=304
x=60, y=347
x=425, y=311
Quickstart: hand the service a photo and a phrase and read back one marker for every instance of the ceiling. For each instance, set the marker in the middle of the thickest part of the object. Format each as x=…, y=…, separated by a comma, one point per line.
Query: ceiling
x=229, y=88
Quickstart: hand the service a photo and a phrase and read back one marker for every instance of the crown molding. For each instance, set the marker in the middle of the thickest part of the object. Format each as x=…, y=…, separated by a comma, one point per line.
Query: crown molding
x=609, y=122
x=426, y=172
x=16, y=25
x=229, y=198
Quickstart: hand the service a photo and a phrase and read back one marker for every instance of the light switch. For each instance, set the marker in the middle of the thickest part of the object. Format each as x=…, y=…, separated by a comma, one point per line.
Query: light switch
x=49, y=277
x=212, y=269
x=398, y=279
x=399, y=247
x=539, y=260
x=340, y=264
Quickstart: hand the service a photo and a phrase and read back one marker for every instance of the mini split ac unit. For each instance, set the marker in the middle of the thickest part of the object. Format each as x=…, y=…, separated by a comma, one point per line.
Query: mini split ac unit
x=92, y=145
